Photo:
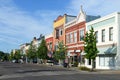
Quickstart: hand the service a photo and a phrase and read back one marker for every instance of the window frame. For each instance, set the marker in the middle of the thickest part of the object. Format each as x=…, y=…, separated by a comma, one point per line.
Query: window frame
x=67, y=38
x=81, y=33
x=103, y=35
x=111, y=34
x=75, y=37
x=71, y=37
x=96, y=35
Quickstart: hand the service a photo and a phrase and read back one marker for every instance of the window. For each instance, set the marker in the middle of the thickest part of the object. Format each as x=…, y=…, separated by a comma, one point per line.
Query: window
x=50, y=46
x=96, y=35
x=103, y=35
x=60, y=32
x=57, y=33
x=56, y=47
x=107, y=61
x=89, y=61
x=102, y=61
x=81, y=35
x=68, y=38
x=75, y=37
x=111, y=34
x=71, y=37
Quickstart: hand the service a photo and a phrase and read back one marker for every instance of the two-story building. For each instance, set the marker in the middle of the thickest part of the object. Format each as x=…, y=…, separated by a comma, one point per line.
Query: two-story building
x=107, y=30
x=74, y=35
x=59, y=29
x=23, y=50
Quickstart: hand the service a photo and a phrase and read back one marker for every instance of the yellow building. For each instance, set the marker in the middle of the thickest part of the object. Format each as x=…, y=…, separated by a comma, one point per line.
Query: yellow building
x=59, y=29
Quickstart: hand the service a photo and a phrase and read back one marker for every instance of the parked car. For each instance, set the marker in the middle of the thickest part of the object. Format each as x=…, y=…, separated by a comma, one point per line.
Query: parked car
x=14, y=61
x=20, y=61
x=17, y=61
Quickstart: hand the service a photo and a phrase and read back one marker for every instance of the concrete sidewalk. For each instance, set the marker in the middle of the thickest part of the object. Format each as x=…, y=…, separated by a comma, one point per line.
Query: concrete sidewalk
x=96, y=71
x=86, y=72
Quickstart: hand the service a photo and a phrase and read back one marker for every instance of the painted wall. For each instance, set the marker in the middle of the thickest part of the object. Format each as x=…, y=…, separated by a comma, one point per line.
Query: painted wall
x=118, y=44
x=59, y=22
x=98, y=25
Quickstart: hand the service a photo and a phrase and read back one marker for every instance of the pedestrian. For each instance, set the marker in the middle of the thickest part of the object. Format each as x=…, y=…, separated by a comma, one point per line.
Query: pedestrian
x=67, y=62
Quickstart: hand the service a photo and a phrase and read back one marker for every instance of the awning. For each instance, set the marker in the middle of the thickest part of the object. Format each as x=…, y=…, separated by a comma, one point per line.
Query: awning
x=112, y=50
x=71, y=54
x=83, y=53
x=78, y=51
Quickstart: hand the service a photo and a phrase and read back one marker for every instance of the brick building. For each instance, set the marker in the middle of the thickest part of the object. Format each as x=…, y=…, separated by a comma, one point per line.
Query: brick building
x=49, y=43
x=74, y=35
x=59, y=30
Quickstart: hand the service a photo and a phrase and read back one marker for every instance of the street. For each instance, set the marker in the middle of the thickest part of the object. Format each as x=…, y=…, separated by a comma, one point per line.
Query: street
x=16, y=71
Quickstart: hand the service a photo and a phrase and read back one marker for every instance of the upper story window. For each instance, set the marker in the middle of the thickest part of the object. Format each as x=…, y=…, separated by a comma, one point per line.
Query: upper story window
x=75, y=37
x=67, y=38
x=57, y=33
x=50, y=46
x=103, y=35
x=56, y=47
x=81, y=34
x=111, y=34
x=96, y=35
x=60, y=32
x=71, y=37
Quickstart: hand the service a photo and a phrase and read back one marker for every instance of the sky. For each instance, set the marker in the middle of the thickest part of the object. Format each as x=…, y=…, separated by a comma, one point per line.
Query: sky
x=21, y=20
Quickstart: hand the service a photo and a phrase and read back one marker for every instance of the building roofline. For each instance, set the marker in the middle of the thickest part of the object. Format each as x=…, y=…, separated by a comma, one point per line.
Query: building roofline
x=102, y=18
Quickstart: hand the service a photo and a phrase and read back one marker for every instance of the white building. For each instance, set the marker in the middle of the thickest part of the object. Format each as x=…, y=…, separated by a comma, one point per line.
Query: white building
x=107, y=30
x=24, y=48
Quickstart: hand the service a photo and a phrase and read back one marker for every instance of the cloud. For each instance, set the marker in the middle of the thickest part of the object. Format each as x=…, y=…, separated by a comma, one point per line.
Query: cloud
x=18, y=26
x=95, y=7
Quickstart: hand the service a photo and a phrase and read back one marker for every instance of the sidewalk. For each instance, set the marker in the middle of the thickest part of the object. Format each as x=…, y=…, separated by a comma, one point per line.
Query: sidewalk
x=108, y=71
x=97, y=71
x=82, y=71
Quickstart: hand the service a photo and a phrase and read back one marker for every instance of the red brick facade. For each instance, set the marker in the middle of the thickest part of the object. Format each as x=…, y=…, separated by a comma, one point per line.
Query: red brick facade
x=74, y=45
x=49, y=43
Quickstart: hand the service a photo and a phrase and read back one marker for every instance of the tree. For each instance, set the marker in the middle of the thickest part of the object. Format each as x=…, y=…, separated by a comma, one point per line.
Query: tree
x=11, y=56
x=42, y=50
x=90, y=47
x=4, y=56
x=31, y=53
x=60, y=53
x=17, y=55
x=1, y=54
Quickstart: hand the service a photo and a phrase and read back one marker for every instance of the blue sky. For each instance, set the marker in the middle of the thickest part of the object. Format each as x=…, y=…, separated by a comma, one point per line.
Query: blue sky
x=21, y=20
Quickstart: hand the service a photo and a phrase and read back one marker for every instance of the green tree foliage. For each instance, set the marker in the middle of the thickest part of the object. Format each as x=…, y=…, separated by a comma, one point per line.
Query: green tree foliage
x=42, y=50
x=1, y=54
x=90, y=47
x=11, y=56
x=17, y=55
x=31, y=53
x=60, y=53
x=4, y=56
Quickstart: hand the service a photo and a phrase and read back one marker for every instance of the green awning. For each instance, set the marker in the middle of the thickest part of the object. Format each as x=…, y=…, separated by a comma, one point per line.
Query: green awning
x=112, y=50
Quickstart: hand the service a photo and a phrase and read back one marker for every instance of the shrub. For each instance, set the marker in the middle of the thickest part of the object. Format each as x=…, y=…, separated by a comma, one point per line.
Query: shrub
x=75, y=64
x=84, y=68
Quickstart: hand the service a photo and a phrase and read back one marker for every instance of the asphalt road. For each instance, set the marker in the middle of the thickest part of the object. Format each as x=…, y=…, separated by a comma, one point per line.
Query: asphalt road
x=14, y=71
